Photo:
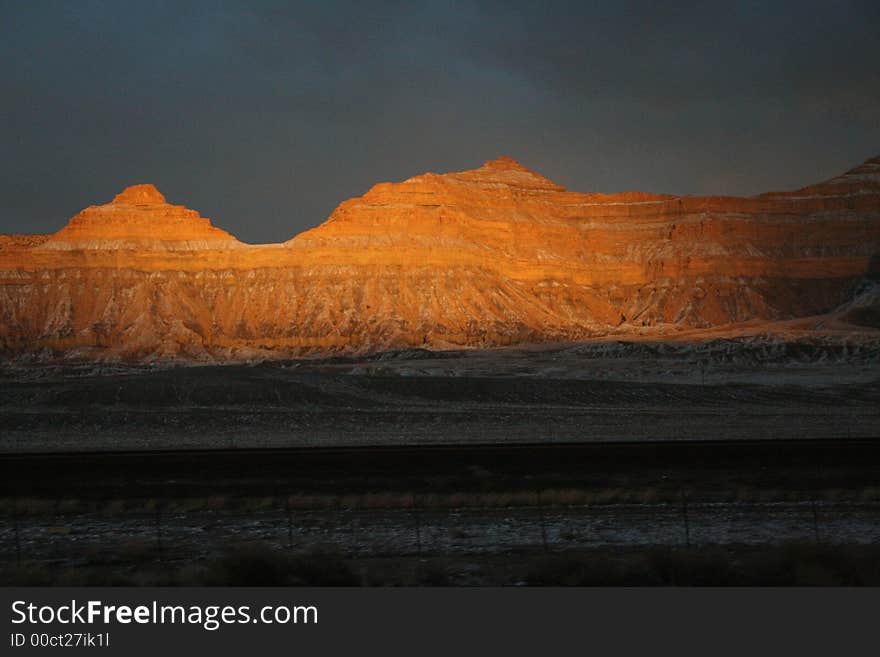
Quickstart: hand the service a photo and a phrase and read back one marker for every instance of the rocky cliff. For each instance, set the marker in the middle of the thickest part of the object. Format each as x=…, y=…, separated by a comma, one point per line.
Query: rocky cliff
x=492, y=256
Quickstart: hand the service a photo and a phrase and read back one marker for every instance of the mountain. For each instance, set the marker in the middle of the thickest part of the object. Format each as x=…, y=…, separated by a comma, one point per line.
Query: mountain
x=492, y=256
x=140, y=219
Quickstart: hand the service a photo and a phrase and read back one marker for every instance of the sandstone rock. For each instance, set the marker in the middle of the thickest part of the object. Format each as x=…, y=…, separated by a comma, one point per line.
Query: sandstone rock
x=21, y=242
x=493, y=256
x=140, y=219
x=139, y=195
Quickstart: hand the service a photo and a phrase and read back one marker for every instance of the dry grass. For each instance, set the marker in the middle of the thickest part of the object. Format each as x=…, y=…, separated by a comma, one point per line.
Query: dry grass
x=548, y=497
x=791, y=564
x=137, y=550
x=869, y=494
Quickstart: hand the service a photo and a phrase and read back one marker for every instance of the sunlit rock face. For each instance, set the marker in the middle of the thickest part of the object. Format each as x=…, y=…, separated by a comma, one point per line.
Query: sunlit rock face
x=493, y=256
x=140, y=219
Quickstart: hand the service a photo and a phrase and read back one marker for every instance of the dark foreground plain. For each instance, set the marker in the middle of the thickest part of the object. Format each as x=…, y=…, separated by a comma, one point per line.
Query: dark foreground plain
x=747, y=512
x=723, y=462
x=604, y=392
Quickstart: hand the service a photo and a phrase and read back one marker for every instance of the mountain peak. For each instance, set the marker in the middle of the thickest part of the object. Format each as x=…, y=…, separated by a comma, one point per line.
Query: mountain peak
x=870, y=167
x=507, y=171
x=862, y=178
x=139, y=218
x=145, y=194
x=504, y=162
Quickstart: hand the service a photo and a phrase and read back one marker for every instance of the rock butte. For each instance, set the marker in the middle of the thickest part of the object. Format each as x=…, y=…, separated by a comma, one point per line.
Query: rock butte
x=493, y=256
x=140, y=219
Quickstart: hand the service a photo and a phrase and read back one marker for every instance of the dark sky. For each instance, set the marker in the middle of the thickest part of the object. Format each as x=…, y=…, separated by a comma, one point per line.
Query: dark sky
x=265, y=117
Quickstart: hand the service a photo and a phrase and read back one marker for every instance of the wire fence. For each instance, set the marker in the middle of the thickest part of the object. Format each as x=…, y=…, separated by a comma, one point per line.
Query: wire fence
x=167, y=533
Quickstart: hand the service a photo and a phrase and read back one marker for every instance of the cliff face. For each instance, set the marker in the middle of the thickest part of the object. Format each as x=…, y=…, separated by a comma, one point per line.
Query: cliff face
x=492, y=256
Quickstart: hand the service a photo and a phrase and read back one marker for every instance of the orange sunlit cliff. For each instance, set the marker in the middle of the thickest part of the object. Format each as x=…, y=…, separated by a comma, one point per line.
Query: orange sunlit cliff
x=493, y=256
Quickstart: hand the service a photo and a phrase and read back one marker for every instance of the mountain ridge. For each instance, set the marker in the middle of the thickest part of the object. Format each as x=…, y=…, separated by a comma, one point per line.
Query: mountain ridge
x=491, y=256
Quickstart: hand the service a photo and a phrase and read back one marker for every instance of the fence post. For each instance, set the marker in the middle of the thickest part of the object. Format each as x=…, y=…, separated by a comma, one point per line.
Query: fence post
x=56, y=518
x=16, y=531
x=813, y=502
x=815, y=520
x=158, y=522
x=289, y=522
x=543, y=522
x=687, y=525
x=418, y=518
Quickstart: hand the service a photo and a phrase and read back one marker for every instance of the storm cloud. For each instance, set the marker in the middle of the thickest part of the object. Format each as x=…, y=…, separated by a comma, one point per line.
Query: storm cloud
x=264, y=116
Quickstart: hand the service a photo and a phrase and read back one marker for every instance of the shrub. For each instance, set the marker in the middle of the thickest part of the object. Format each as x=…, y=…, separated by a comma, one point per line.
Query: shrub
x=261, y=566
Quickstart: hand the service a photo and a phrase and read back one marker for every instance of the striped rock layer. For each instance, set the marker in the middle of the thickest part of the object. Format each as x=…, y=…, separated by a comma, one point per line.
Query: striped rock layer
x=493, y=256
